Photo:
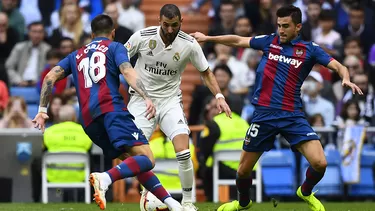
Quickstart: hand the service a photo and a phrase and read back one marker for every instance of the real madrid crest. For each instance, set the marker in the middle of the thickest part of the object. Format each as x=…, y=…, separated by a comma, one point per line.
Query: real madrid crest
x=299, y=52
x=176, y=57
x=152, y=44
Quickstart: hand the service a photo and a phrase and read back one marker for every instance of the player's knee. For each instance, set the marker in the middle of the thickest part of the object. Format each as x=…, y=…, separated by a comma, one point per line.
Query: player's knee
x=181, y=143
x=243, y=171
x=320, y=165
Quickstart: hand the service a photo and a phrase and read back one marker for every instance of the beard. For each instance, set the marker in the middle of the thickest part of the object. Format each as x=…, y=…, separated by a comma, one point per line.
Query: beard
x=170, y=36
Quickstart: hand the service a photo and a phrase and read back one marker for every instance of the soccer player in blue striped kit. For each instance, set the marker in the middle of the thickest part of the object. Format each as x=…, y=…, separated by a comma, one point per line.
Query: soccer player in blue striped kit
x=286, y=62
x=96, y=68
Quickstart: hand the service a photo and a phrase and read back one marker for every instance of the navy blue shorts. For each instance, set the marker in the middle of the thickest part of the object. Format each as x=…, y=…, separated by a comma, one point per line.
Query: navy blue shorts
x=261, y=134
x=114, y=132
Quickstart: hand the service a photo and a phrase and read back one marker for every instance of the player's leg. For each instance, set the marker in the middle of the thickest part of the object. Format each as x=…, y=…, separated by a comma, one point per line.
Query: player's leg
x=137, y=108
x=304, y=139
x=259, y=138
x=174, y=125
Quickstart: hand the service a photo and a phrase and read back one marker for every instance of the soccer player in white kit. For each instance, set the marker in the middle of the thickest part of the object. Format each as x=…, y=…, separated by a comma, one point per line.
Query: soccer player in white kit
x=163, y=52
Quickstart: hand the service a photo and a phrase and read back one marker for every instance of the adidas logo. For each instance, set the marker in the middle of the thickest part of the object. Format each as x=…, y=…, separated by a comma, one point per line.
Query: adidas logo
x=150, y=53
x=180, y=122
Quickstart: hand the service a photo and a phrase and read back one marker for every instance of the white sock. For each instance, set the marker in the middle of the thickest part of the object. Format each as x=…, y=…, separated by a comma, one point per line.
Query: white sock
x=172, y=204
x=186, y=174
x=105, y=180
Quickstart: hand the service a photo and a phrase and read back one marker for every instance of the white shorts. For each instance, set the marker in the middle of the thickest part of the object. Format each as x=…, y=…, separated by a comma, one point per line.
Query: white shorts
x=169, y=115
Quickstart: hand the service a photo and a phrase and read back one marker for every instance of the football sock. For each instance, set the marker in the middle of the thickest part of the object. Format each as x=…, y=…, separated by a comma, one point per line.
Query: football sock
x=312, y=178
x=243, y=188
x=152, y=184
x=186, y=174
x=130, y=167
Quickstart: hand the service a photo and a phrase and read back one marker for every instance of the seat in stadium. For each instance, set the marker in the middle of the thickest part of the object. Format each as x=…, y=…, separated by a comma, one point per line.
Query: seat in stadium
x=278, y=172
x=32, y=110
x=331, y=184
x=30, y=94
x=365, y=187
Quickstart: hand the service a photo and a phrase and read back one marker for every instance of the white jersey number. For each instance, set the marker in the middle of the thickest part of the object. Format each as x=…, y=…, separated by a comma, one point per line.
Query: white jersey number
x=90, y=66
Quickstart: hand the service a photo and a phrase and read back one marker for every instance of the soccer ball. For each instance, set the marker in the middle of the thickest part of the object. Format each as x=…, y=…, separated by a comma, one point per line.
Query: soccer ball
x=149, y=202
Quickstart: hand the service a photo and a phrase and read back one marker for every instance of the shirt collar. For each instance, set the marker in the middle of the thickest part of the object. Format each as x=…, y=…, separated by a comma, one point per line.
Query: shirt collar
x=293, y=42
x=100, y=38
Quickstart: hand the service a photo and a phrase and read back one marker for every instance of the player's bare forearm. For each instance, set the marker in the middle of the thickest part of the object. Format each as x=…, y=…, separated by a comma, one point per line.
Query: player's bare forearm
x=210, y=81
x=340, y=69
x=131, y=77
x=231, y=40
x=57, y=73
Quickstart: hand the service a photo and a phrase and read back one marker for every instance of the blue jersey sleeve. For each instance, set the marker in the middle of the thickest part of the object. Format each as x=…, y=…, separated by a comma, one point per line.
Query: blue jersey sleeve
x=65, y=64
x=320, y=56
x=121, y=54
x=260, y=42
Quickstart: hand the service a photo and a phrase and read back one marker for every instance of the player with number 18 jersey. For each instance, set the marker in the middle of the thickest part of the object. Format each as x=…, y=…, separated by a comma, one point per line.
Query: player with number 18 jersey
x=96, y=77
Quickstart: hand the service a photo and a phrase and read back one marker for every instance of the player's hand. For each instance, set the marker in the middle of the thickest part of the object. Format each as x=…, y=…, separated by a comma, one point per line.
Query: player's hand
x=200, y=37
x=150, y=109
x=223, y=106
x=355, y=88
x=40, y=120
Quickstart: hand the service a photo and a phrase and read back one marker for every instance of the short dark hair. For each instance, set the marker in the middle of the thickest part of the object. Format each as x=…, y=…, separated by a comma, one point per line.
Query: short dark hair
x=54, y=54
x=34, y=24
x=350, y=39
x=102, y=24
x=226, y=2
x=327, y=15
x=170, y=11
x=315, y=2
x=223, y=67
x=292, y=11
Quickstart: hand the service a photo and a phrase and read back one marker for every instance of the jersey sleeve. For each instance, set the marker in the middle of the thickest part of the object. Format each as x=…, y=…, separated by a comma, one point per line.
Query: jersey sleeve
x=121, y=54
x=260, y=42
x=65, y=64
x=197, y=57
x=320, y=56
x=132, y=45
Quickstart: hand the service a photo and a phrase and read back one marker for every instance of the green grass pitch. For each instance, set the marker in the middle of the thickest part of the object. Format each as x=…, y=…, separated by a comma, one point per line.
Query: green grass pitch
x=267, y=206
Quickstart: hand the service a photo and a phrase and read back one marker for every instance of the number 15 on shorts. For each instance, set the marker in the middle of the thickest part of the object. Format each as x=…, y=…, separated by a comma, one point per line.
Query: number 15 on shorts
x=251, y=132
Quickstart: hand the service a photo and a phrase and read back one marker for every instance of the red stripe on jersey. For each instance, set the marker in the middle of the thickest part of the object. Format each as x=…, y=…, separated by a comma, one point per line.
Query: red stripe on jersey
x=269, y=76
x=84, y=93
x=105, y=97
x=292, y=78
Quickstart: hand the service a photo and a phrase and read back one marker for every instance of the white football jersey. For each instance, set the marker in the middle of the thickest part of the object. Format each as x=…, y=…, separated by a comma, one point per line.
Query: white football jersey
x=160, y=67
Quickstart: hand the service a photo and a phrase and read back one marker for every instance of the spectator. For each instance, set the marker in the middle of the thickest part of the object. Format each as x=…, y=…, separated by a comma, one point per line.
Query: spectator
x=66, y=46
x=350, y=115
x=16, y=20
x=261, y=16
x=53, y=110
x=224, y=26
x=56, y=17
x=4, y=97
x=365, y=101
x=71, y=26
x=28, y=58
x=327, y=38
x=15, y=114
x=371, y=56
x=310, y=28
x=313, y=102
x=243, y=77
x=30, y=11
x=223, y=76
x=353, y=47
x=122, y=33
x=130, y=16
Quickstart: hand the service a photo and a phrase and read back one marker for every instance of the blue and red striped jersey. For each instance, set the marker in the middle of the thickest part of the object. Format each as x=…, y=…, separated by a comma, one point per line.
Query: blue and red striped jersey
x=95, y=69
x=282, y=70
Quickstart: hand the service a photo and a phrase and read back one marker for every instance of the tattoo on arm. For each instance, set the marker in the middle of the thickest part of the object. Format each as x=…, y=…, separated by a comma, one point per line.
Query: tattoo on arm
x=138, y=85
x=56, y=74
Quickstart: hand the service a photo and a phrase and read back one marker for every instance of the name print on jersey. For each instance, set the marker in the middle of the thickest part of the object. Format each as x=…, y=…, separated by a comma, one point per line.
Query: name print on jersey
x=160, y=69
x=281, y=58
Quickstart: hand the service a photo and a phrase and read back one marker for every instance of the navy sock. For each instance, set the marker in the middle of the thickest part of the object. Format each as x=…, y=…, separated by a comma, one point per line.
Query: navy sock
x=152, y=184
x=312, y=178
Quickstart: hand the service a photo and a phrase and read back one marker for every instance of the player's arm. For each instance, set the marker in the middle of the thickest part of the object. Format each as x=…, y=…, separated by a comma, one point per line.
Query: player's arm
x=324, y=59
x=230, y=40
x=131, y=77
x=57, y=73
